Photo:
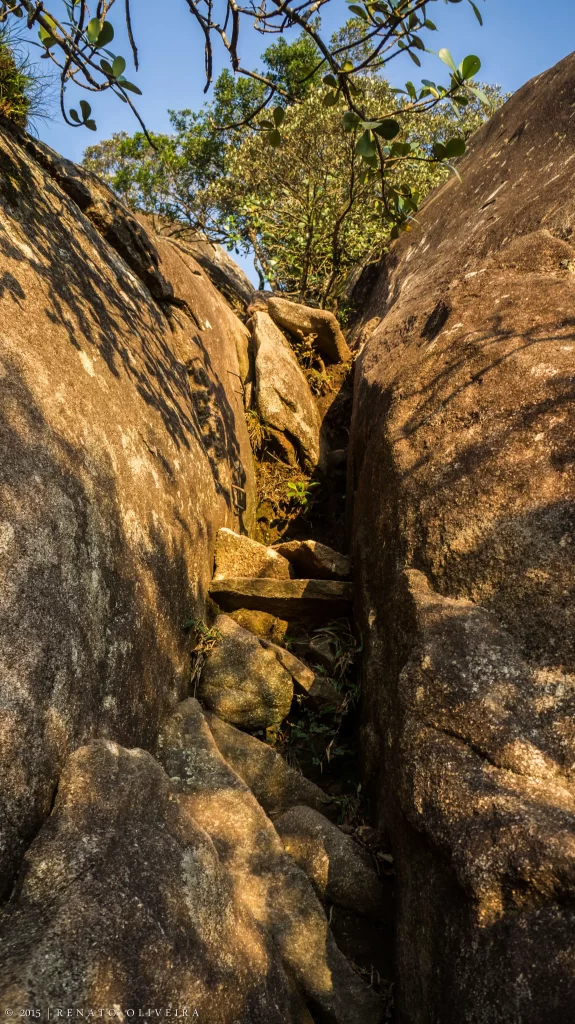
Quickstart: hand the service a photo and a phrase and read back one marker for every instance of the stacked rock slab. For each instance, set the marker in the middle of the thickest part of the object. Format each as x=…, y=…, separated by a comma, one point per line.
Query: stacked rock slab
x=123, y=448
x=275, y=785
x=238, y=555
x=315, y=560
x=463, y=488
x=304, y=321
x=283, y=397
x=269, y=888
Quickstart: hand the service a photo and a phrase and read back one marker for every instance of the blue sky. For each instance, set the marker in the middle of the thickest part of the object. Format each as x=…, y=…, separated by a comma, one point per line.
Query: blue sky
x=516, y=42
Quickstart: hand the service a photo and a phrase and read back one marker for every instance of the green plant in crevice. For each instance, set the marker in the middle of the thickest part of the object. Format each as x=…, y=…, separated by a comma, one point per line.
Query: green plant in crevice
x=299, y=493
x=18, y=83
x=204, y=639
x=257, y=431
x=316, y=738
x=320, y=382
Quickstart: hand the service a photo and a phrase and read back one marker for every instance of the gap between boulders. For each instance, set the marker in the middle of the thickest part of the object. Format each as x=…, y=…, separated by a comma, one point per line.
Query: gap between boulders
x=279, y=676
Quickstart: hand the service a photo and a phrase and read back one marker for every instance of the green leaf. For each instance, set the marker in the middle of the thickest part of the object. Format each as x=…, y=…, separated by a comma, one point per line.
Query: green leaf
x=330, y=80
x=107, y=67
x=93, y=30
x=106, y=35
x=274, y=138
x=477, y=12
x=75, y=117
x=118, y=67
x=350, y=121
x=439, y=151
x=455, y=147
x=45, y=35
x=129, y=86
x=480, y=95
x=91, y=125
x=365, y=145
x=446, y=57
x=359, y=12
x=278, y=116
x=401, y=149
x=85, y=108
x=388, y=129
x=267, y=124
x=415, y=59
x=469, y=67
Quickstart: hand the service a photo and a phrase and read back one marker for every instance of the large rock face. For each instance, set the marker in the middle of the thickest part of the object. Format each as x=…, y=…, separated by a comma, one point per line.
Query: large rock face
x=462, y=475
x=283, y=397
x=124, y=902
x=123, y=448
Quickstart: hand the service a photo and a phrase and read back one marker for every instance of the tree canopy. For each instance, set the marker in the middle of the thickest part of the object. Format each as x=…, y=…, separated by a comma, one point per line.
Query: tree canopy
x=309, y=209
x=78, y=39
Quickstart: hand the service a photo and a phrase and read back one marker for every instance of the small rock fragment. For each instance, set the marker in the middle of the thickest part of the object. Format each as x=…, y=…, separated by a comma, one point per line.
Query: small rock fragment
x=303, y=319
x=275, y=785
x=243, y=680
x=322, y=651
x=314, y=560
x=237, y=555
x=339, y=869
x=267, y=626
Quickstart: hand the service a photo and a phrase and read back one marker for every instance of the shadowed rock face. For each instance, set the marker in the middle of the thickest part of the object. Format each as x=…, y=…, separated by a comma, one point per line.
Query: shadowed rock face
x=267, y=884
x=125, y=902
x=462, y=479
x=123, y=448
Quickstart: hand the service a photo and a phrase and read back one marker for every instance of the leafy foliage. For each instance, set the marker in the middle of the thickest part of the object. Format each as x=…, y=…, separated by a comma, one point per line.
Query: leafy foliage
x=315, y=738
x=204, y=639
x=310, y=208
x=77, y=39
x=18, y=83
x=300, y=494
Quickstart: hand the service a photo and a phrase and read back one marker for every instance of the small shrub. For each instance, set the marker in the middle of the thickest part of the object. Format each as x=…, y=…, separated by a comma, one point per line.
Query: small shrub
x=204, y=640
x=18, y=83
x=300, y=494
x=257, y=431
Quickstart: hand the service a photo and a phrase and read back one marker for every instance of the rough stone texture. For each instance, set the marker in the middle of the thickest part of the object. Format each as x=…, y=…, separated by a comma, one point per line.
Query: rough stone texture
x=303, y=319
x=259, y=302
x=462, y=468
x=238, y=555
x=322, y=650
x=269, y=627
x=121, y=443
x=268, y=886
x=274, y=784
x=282, y=394
x=244, y=679
x=289, y=599
x=124, y=902
x=222, y=270
x=314, y=560
x=121, y=229
x=339, y=869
